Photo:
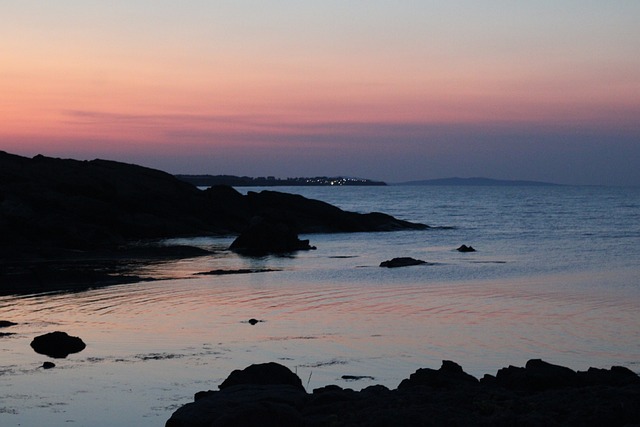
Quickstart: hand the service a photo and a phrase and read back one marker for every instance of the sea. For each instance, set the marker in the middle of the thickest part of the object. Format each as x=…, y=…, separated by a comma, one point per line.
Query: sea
x=555, y=276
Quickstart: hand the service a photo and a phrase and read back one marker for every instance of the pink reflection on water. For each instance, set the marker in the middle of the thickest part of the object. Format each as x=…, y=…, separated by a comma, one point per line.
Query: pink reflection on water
x=189, y=334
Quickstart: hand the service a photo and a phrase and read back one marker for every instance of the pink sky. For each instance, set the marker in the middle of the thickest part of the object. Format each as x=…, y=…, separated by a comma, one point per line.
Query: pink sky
x=376, y=89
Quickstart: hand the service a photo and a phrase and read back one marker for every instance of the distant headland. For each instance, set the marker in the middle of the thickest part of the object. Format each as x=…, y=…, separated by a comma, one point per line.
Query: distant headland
x=479, y=182
x=271, y=181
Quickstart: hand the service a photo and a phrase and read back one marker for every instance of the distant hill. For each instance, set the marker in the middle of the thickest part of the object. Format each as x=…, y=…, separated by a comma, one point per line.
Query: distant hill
x=479, y=182
x=270, y=181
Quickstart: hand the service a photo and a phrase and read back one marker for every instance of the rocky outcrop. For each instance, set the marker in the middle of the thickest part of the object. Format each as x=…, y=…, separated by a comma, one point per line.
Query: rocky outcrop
x=69, y=224
x=263, y=238
x=263, y=374
x=83, y=205
x=304, y=215
x=401, y=262
x=450, y=374
x=539, y=375
x=271, y=396
x=57, y=344
x=465, y=248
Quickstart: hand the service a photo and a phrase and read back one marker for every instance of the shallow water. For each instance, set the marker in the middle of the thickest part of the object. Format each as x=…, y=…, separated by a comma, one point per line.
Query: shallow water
x=556, y=277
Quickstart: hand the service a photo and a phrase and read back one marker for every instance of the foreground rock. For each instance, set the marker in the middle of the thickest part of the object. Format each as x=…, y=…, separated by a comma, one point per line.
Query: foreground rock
x=57, y=344
x=263, y=374
x=269, y=395
x=401, y=262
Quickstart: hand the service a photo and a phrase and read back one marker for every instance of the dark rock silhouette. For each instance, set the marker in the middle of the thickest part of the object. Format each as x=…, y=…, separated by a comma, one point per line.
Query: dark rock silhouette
x=54, y=210
x=465, y=248
x=48, y=365
x=450, y=374
x=86, y=204
x=6, y=323
x=57, y=344
x=220, y=272
x=263, y=238
x=401, y=262
x=271, y=396
x=539, y=375
x=263, y=374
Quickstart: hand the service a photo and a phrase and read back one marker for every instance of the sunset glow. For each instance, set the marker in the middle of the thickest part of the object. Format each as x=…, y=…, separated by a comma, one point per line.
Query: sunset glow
x=194, y=87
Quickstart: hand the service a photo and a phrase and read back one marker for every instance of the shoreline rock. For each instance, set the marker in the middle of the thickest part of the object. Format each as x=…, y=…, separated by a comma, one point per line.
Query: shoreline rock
x=74, y=212
x=539, y=394
x=88, y=205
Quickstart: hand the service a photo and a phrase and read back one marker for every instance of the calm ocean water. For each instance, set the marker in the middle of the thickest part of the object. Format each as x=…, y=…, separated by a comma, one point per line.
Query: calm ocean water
x=556, y=276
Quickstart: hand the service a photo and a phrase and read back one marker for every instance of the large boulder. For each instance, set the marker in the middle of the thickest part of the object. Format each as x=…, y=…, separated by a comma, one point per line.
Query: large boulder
x=450, y=374
x=265, y=395
x=243, y=406
x=57, y=344
x=537, y=375
x=264, y=237
x=263, y=374
x=616, y=376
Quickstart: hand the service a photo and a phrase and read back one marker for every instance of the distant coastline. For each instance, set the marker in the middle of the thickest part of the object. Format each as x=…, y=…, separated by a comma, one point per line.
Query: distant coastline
x=270, y=181
x=479, y=182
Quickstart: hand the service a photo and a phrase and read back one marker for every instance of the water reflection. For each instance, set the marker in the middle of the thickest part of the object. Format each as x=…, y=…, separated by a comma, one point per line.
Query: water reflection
x=156, y=343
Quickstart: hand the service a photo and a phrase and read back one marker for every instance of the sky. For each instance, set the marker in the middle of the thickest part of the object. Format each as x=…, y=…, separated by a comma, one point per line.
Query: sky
x=391, y=90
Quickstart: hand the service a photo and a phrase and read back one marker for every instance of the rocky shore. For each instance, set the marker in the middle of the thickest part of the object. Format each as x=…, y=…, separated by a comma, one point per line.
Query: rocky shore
x=539, y=394
x=67, y=223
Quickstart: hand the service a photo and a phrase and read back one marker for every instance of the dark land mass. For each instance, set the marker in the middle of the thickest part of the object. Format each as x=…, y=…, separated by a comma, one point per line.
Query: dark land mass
x=479, y=182
x=270, y=181
x=69, y=224
x=539, y=394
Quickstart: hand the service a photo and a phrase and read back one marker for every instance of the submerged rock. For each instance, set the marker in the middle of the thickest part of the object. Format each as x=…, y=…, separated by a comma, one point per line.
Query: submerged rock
x=57, y=344
x=220, y=272
x=465, y=248
x=6, y=323
x=401, y=262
